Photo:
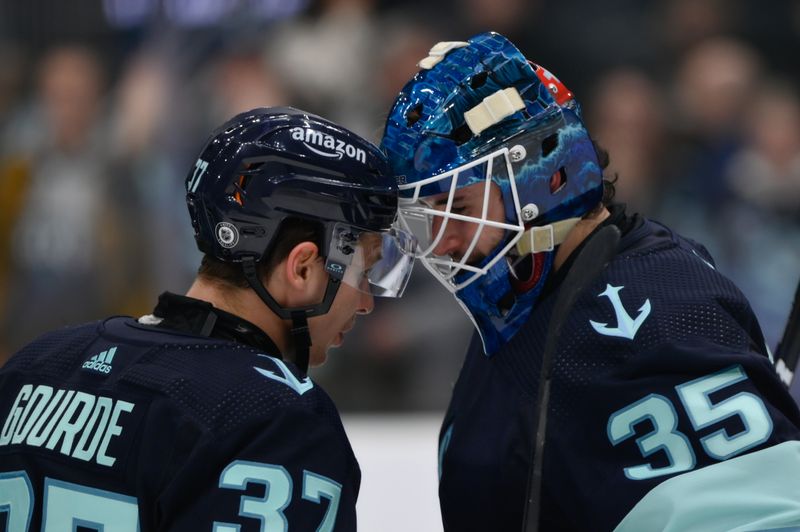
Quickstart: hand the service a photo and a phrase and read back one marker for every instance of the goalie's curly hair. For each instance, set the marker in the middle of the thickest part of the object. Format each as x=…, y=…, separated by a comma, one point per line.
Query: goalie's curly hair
x=609, y=182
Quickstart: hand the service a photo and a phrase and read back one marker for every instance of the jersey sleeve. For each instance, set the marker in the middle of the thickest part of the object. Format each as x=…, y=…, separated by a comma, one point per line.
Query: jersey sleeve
x=755, y=491
x=294, y=471
x=678, y=438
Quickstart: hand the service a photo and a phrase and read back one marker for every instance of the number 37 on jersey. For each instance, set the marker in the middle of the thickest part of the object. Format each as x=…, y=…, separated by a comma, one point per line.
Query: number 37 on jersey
x=67, y=505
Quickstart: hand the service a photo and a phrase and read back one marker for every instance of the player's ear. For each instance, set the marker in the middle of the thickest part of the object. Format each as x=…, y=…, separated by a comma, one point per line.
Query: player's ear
x=302, y=264
x=304, y=275
x=300, y=278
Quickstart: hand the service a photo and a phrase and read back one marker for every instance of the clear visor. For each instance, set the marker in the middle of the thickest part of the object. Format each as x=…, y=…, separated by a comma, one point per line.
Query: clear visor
x=375, y=263
x=464, y=206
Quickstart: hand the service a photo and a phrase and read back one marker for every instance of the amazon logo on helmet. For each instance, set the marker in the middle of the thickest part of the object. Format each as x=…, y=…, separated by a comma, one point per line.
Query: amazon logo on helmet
x=327, y=145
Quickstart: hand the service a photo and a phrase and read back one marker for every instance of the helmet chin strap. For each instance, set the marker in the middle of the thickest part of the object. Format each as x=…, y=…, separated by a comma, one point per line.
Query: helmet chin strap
x=546, y=237
x=301, y=339
x=299, y=315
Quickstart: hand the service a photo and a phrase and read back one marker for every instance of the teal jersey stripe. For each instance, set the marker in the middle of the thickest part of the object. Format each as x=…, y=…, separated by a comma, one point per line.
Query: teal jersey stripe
x=757, y=491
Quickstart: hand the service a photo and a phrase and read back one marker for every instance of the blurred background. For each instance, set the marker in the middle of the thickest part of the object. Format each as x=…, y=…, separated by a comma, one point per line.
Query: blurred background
x=104, y=105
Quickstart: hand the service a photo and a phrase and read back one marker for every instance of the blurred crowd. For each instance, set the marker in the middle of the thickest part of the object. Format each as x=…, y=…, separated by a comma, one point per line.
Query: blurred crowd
x=103, y=106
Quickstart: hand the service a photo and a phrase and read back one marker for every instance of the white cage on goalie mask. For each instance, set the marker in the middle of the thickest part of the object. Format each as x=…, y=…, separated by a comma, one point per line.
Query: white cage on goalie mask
x=414, y=210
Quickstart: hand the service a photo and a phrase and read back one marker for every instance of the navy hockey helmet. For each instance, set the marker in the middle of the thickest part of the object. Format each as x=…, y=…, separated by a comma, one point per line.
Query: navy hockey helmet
x=480, y=113
x=270, y=164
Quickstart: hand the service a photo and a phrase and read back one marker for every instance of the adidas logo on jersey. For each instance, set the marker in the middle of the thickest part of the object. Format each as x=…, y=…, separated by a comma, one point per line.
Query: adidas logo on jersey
x=101, y=362
x=334, y=148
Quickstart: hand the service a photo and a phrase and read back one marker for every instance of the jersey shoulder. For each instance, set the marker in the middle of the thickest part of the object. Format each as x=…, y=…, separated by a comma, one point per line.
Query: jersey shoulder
x=219, y=384
x=668, y=289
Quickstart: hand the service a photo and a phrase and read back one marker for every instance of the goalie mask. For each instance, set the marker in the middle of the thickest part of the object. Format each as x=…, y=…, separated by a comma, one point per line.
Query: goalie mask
x=495, y=167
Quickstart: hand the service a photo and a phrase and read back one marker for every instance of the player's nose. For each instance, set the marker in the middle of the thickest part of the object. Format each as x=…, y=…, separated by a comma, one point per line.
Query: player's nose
x=366, y=301
x=366, y=304
x=449, y=241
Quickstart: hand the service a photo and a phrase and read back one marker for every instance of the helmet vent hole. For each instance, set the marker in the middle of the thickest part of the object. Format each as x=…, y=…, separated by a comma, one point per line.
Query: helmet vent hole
x=237, y=188
x=239, y=184
x=413, y=116
x=558, y=180
x=478, y=80
x=549, y=144
x=461, y=134
x=251, y=167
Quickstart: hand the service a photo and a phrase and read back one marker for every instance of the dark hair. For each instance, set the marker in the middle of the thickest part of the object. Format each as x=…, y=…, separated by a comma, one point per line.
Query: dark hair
x=609, y=183
x=291, y=232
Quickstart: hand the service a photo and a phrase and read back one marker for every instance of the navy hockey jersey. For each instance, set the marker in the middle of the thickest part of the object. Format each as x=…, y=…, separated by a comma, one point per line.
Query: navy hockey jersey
x=118, y=426
x=665, y=410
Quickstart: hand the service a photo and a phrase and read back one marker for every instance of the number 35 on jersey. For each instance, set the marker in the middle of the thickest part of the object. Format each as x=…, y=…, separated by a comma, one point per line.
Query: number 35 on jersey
x=695, y=400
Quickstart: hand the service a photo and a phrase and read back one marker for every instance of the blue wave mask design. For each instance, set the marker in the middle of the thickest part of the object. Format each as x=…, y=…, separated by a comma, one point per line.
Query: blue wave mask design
x=496, y=308
x=551, y=167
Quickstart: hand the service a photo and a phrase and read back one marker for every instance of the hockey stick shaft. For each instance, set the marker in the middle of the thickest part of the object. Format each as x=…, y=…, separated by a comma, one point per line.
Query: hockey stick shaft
x=598, y=250
x=788, y=350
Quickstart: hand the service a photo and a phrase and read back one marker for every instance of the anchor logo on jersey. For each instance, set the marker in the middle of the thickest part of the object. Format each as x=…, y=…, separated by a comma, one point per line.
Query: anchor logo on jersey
x=626, y=325
x=300, y=386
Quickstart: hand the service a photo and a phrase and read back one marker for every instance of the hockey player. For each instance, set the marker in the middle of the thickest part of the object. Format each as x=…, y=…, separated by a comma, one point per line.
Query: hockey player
x=201, y=416
x=665, y=412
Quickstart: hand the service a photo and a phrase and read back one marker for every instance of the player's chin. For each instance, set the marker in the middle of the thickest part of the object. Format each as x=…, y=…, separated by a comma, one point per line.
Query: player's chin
x=318, y=358
x=337, y=341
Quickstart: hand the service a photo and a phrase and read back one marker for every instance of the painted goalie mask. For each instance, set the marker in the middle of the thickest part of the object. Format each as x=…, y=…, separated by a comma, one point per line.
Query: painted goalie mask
x=495, y=167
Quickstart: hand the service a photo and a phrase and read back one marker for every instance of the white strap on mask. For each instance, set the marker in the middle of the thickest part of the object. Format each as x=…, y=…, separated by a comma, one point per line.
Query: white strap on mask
x=546, y=237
